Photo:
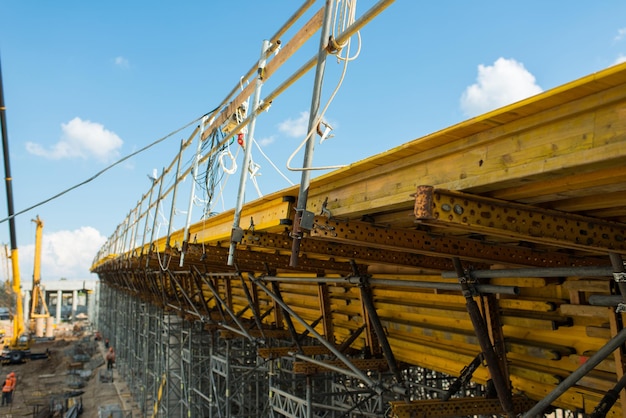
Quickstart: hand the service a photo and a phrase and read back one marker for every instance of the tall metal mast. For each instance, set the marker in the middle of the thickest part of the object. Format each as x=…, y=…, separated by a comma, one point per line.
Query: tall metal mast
x=18, y=321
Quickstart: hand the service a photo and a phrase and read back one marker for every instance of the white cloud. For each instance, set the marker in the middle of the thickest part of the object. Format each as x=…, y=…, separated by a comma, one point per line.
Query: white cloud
x=621, y=58
x=295, y=127
x=504, y=82
x=121, y=62
x=267, y=141
x=621, y=33
x=64, y=254
x=81, y=139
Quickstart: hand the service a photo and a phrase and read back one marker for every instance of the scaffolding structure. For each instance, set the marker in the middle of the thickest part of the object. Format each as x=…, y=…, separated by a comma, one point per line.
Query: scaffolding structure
x=176, y=367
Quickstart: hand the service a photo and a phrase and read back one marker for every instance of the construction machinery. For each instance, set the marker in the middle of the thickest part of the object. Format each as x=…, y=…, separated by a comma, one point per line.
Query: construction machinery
x=39, y=313
x=17, y=347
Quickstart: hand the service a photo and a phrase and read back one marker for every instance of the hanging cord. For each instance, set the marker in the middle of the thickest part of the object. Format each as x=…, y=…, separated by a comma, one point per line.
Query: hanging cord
x=233, y=161
x=253, y=170
x=347, y=16
x=316, y=123
x=159, y=224
x=222, y=186
x=104, y=170
x=272, y=163
x=347, y=13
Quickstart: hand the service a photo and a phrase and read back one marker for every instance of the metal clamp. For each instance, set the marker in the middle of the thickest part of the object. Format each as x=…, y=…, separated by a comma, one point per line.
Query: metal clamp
x=619, y=277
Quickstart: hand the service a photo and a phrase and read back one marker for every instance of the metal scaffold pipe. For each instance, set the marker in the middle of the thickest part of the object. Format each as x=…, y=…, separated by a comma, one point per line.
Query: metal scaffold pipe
x=480, y=327
x=193, y=191
x=358, y=373
x=578, y=374
x=353, y=280
x=247, y=152
x=305, y=178
x=535, y=272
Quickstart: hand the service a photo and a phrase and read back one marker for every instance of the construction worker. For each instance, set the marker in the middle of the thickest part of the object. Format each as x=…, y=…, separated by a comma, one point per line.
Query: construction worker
x=7, y=388
x=110, y=357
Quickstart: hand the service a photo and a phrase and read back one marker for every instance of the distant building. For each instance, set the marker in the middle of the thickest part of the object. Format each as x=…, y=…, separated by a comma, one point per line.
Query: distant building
x=66, y=299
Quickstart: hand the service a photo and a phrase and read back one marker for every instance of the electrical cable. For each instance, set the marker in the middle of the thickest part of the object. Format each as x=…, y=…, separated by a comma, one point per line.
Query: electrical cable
x=348, y=16
x=314, y=127
x=348, y=19
x=272, y=163
x=107, y=168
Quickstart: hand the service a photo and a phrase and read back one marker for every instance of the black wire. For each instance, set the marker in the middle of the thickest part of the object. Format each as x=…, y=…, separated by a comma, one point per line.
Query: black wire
x=99, y=173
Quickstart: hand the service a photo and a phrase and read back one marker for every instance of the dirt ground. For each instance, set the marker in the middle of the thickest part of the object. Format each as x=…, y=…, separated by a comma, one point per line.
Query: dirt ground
x=75, y=371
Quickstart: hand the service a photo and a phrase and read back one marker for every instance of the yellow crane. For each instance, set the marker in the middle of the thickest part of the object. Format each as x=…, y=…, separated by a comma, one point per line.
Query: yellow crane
x=38, y=306
x=18, y=346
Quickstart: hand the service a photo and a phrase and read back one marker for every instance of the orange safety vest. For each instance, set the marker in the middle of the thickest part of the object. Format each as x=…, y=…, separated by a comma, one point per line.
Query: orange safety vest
x=8, y=385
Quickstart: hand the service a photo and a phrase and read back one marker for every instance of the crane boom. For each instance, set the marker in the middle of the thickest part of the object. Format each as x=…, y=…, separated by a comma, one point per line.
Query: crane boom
x=38, y=308
x=19, y=340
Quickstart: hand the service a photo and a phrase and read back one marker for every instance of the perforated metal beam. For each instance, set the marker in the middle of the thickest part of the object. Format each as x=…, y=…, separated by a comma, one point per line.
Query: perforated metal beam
x=360, y=251
x=455, y=407
x=513, y=220
x=303, y=367
x=420, y=242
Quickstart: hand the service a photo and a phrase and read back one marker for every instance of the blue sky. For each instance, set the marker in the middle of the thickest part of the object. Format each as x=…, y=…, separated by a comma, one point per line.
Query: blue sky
x=86, y=83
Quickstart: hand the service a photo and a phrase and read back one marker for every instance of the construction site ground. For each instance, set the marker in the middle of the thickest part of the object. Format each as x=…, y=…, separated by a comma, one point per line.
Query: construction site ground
x=74, y=372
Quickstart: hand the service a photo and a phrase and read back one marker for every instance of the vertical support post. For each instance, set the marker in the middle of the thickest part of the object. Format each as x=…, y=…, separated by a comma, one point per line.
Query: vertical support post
x=127, y=231
x=305, y=178
x=135, y=227
x=309, y=397
x=327, y=318
x=286, y=316
x=170, y=225
x=156, y=214
x=145, y=227
x=368, y=302
x=227, y=378
x=502, y=388
x=247, y=152
x=619, y=273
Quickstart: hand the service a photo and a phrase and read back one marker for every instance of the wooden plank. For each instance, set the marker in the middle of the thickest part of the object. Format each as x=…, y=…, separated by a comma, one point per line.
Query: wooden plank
x=598, y=332
x=589, y=285
x=600, y=312
x=524, y=281
x=535, y=323
x=528, y=305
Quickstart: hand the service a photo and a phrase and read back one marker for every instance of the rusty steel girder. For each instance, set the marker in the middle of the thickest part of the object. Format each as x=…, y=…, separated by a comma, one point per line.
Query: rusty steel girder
x=455, y=407
x=303, y=367
x=501, y=218
x=360, y=252
x=404, y=241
